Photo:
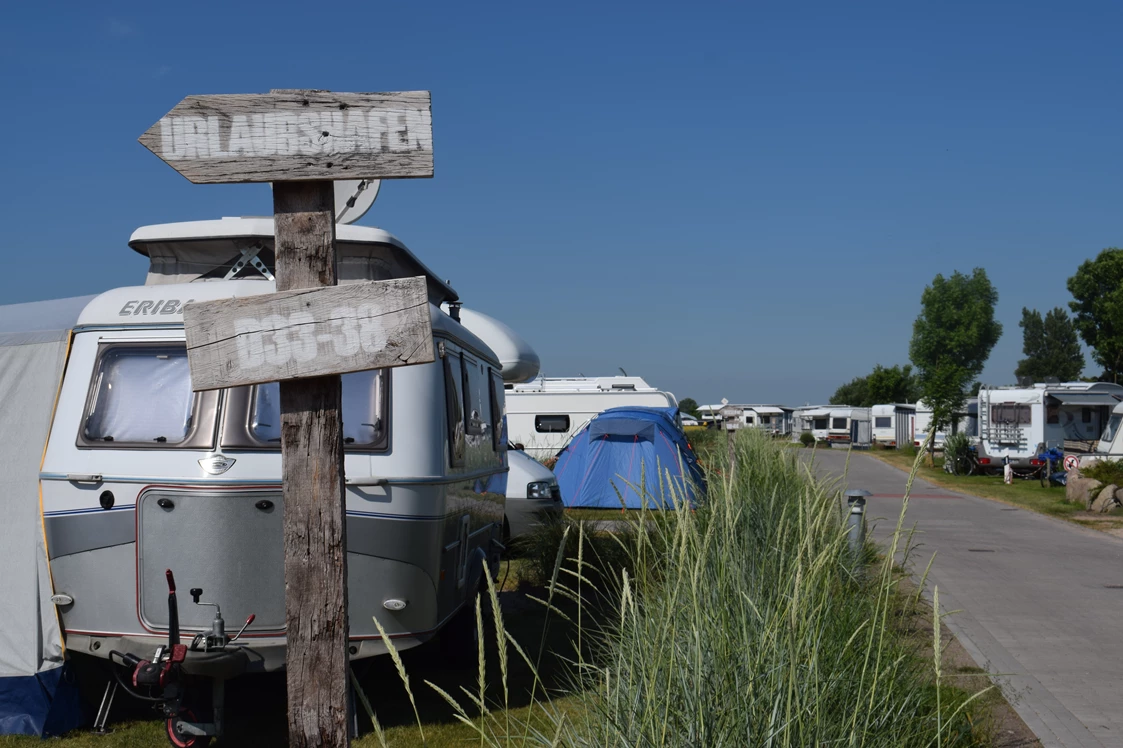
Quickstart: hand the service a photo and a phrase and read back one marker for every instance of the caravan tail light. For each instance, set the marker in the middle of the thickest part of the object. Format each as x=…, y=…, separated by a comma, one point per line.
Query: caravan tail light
x=984, y=460
x=1036, y=462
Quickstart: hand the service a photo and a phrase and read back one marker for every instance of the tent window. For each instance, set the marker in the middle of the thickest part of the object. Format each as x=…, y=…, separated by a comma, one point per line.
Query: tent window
x=1086, y=415
x=883, y=422
x=554, y=424
x=363, y=406
x=454, y=416
x=838, y=423
x=766, y=420
x=141, y=394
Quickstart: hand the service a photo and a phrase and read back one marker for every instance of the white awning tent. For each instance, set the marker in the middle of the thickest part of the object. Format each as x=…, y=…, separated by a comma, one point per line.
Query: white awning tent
x=34, y=698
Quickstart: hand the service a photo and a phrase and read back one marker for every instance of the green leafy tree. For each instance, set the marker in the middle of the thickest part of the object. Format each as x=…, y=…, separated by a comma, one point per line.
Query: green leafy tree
x=855, y=392
x=688, y=405
x=1050, y=346
x=893, y=384
x=952, y=338
x=1097, y=308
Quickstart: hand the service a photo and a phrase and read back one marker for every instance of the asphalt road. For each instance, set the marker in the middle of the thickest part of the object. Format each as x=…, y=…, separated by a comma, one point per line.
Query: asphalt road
x=1039, y=600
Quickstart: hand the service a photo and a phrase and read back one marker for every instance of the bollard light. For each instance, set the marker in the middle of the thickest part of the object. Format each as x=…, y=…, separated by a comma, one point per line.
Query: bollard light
x=855, y=522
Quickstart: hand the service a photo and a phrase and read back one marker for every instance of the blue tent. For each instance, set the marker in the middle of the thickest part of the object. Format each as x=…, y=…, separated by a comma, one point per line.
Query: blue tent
x=629, y=454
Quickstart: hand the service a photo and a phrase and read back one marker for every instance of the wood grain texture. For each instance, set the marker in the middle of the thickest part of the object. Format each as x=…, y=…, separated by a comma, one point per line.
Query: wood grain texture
x=315, y=528
x=296, y=135
x=308, y=333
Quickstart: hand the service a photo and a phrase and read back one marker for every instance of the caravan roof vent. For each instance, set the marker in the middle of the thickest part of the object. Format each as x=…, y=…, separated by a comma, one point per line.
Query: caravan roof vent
x=631, y=387
x=1025, y=381
x=1052, y=380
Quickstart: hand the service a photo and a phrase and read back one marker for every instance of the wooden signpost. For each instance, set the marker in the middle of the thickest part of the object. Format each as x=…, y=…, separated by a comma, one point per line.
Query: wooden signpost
x=307, y=333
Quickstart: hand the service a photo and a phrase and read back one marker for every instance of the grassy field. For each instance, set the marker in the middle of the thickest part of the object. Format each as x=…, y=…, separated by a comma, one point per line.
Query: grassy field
x=1029, y=494
x=743, y=622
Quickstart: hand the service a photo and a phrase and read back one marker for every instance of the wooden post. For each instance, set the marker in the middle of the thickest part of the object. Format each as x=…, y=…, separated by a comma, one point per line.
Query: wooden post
x=312, y=472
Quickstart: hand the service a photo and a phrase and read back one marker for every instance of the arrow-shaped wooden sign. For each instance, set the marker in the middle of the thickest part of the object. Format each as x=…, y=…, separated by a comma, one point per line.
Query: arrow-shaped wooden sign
x=296, y=135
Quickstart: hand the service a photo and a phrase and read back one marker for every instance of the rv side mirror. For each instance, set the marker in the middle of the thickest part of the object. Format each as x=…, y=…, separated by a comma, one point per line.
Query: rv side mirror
x=518, y=446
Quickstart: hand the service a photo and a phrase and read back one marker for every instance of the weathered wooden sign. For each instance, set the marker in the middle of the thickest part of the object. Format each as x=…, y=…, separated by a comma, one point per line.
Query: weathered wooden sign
x=308, y=333
x=296, y=135
x=733, y=417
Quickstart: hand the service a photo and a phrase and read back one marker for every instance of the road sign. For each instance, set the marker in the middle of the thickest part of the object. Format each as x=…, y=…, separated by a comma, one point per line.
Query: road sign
x=301, y=140
x=290, y=135
x=1071, y=461
x=733, y=417
x=299, y=334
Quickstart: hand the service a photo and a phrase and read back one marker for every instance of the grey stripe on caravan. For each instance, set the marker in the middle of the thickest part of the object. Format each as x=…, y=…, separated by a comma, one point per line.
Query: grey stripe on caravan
x=406, y=539
x=74, y=533
x=421, y=480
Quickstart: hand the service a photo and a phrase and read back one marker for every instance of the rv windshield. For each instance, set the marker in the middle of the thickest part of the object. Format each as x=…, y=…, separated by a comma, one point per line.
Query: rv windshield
x=1112, y=429
x=362, y=409
x=141, y=394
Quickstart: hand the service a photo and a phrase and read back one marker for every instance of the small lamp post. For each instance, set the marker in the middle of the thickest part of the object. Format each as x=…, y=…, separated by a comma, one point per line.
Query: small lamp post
x=856, y=520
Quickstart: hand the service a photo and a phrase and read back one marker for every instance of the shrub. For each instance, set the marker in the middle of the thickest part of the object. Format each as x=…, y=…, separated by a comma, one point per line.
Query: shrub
x=1105, y=471
x=957, y=454
x=807, y=439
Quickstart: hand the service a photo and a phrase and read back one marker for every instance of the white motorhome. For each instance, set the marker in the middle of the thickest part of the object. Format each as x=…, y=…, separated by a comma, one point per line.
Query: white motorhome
x=544, y=414
x=894, y=424
x=140, y=474
x=1018, y=423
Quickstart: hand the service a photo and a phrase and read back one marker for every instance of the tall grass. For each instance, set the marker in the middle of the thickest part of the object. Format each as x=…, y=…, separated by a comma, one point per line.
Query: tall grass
x=741, y=623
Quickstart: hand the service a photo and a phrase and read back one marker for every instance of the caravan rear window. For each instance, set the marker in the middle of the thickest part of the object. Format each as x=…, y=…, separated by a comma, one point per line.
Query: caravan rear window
x=1011, y=413
x=553, y=424
x=363, y=410
x=140, y=395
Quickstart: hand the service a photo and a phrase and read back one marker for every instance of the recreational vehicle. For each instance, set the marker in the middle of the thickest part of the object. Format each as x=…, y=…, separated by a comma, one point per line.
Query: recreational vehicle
x=1018, y=423
x=544, y=414
x=141, y=475
x=772, y=419
x=893, y=424
x=964, y=422
x=814, y=419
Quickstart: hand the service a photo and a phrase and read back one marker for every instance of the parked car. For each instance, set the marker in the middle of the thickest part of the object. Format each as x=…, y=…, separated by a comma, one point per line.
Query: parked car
x=533, y=496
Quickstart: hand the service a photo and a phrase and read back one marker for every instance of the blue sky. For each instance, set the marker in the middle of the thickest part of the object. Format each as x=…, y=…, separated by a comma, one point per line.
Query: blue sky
x=731, y=200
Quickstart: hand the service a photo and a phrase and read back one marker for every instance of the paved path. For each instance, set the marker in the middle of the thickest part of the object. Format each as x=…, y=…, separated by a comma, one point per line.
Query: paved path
x=1035, y=596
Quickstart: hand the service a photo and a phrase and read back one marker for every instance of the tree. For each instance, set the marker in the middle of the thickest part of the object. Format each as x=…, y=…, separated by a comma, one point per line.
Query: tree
x=688, y=405
x=952, y=338
x=893, y=384
x=855, y=392
x=1097, y=309
x=1050, y=346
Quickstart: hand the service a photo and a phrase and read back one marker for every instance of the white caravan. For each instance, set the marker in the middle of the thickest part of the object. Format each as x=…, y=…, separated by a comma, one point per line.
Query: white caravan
x=543, y=415
x=141, y=474
x=1018, y=423
x=813, y=419
x=893, y=425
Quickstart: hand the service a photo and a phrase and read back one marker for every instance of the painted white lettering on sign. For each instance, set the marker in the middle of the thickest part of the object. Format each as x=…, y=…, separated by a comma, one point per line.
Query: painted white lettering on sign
x=291, y=133
x=275, y=339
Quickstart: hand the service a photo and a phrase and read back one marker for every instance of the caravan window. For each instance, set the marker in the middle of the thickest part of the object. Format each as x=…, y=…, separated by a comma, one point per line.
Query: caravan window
x=553, y=424
x=141, y=394
x=1011, y=413
x=820, y=424
x=496, y=393
x=363, y=410
x=883, y=422
x=839, y=423
x=472, y=386
x=454, y=415
x=1112, y=428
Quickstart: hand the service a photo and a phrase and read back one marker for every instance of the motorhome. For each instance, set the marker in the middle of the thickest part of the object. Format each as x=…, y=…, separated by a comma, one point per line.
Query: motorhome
x=893, y=424
x=544, y=414
x=140, y=474
x=1018, y=423
x=965, y=421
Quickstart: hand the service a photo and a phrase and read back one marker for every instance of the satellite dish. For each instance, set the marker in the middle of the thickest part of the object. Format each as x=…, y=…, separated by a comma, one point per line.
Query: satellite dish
x=353, y=198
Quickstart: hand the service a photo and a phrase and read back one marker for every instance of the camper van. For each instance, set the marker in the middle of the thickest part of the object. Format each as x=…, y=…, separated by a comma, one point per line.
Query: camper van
x=544, y=414
x=1018, y=423
x=141, y=474
x=893, y=425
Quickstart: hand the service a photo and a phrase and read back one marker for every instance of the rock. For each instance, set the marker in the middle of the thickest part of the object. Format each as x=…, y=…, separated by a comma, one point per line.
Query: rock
x=1105, y=500
x=1080, y=490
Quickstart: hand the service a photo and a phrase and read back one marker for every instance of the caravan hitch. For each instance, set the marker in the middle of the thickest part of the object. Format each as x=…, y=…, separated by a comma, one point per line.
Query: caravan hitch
x=164, y=671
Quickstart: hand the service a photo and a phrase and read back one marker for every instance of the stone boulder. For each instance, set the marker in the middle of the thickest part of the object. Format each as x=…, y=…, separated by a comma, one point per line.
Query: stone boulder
x=1105, y=500
x=1081, y=490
